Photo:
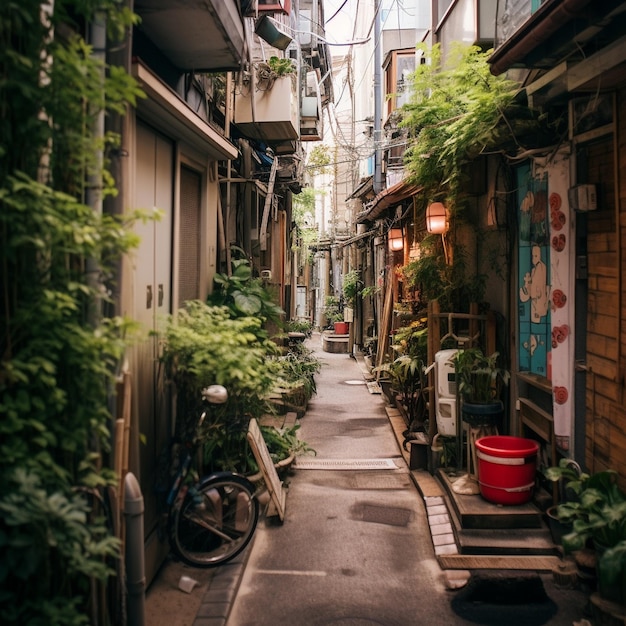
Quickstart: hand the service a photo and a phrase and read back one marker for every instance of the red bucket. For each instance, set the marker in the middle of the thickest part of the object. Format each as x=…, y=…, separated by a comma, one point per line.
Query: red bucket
x=506, y=468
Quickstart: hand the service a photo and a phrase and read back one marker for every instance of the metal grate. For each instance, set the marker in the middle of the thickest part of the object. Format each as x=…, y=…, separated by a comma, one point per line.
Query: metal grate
x=374, y=387
x=344, y=464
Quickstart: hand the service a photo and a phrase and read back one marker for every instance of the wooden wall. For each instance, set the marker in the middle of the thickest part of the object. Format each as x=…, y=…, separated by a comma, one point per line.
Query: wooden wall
x=605, y=411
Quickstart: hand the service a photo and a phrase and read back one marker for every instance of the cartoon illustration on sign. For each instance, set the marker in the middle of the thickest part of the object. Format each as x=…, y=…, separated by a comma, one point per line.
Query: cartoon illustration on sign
x=535, y=286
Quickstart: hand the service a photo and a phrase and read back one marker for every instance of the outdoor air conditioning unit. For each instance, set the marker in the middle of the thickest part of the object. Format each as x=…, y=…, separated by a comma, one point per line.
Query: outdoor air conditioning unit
x=445, y=393
x=583, y=197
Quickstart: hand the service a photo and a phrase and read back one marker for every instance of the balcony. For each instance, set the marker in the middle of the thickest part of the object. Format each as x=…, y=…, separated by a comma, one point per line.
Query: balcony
x=267, y=109
x=468, y=21
x=195, y=35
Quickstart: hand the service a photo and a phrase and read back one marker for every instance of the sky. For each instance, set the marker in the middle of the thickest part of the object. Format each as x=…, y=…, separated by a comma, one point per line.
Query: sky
x=395, y=14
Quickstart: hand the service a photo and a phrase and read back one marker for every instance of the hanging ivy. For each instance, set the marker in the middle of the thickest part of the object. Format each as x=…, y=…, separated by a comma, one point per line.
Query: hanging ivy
x=457, y=111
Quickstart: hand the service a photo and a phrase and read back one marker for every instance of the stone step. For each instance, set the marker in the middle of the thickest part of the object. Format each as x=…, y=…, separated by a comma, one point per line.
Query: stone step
x=337, y=344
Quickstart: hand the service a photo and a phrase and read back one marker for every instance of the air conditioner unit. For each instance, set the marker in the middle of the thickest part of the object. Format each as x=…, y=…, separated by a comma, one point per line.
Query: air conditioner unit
x=583, y=198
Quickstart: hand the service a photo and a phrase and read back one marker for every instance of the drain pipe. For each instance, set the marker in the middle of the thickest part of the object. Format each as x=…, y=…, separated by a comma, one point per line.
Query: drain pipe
x=134, y=553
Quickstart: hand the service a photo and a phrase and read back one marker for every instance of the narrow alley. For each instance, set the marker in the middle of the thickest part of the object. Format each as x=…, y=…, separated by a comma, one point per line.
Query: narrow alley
x=355, y=547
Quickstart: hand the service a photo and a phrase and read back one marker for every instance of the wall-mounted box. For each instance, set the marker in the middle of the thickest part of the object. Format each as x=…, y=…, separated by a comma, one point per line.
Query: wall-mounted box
x=583, y=197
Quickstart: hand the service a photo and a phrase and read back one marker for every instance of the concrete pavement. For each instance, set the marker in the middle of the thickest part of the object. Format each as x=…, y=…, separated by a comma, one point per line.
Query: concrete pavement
x=356, y=547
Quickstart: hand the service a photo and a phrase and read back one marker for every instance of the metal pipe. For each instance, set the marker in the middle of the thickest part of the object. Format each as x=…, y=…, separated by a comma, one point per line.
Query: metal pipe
x=378, y=169
x=134, y=553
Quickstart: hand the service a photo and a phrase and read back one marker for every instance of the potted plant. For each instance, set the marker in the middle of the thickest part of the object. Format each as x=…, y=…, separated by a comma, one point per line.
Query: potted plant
x=352, y=285
x=568, y=474
x=333, y=310
x=479, y=382
x=597, y=513
x=406, y=371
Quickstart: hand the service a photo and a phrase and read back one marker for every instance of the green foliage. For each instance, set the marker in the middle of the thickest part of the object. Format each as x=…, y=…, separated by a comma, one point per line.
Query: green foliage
x=281, y=67
x=283, y=442
x=449, y=283
x=333, y=310
x=299, y=326
x=479, y=377
x=297, y=370
x=58, y=353
x=318, y=160
x=598, y=512
x=352, y=285
x=406, y=371
x=454, y=115
x=243, y=294
x=206, y=345
x=50, y=546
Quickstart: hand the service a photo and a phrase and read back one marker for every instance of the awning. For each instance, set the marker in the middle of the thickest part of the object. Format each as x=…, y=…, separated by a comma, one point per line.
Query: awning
x=386, y=198
x=364, y=188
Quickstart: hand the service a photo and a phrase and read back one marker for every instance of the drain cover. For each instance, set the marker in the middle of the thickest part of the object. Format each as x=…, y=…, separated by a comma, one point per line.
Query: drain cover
x=344, y=464
x=392, y=516
x=385, y=481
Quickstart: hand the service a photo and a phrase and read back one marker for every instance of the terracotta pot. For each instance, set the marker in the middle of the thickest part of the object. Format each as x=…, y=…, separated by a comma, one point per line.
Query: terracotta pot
x=341, y=328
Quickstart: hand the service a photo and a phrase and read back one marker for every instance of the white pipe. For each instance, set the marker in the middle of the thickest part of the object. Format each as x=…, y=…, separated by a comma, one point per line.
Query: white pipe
x=134, y=557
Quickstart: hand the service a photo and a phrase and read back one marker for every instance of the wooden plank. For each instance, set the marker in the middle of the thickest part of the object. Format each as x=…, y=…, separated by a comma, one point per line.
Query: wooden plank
x=266, y=465
x=472, y=561
x=533, y=416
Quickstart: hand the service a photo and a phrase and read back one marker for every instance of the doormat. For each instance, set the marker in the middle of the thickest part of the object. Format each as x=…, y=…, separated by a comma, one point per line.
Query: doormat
x=496, y=599
x=344, y=464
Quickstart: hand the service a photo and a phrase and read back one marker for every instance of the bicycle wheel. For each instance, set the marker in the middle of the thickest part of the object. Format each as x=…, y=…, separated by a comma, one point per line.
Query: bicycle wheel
x=215, y=521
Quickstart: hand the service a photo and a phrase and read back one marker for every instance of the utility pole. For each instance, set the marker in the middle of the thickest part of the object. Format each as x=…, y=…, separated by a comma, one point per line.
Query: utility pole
x=378, y=169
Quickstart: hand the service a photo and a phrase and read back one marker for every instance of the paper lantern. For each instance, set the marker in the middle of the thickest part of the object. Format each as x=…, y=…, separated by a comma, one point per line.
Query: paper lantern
x=436, y=218
x=395, y=239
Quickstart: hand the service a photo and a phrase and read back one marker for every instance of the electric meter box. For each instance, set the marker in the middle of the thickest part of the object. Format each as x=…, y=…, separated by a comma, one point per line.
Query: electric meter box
x=445, y=393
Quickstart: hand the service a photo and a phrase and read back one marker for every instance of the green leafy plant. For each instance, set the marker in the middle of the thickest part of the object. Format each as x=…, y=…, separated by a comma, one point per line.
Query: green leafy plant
x=435, y=279
x=205, y=345
x=333, y=309
x=299, y=326
x=284, y=442
x=597, y=514
x=296, y=377
x=60, y=349
x=406, y=371
x=455, y=113
x=479, y=377
x=244, y=294
x=281, y=67
x=352, y=285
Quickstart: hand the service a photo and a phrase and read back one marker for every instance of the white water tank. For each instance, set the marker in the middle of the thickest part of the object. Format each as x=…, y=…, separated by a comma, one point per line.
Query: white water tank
x=445, y=393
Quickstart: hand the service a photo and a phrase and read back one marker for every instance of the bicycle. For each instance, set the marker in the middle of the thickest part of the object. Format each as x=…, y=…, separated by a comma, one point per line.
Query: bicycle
x=211, y=520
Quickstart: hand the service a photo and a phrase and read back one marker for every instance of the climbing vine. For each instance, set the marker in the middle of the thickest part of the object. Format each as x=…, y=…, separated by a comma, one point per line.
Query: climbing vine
x=58, y=352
